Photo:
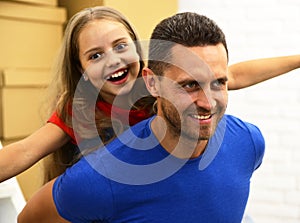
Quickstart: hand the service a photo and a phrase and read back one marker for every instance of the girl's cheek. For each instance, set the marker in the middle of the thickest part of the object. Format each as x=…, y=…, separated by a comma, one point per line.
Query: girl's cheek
x=95, y=71
x=131, y=56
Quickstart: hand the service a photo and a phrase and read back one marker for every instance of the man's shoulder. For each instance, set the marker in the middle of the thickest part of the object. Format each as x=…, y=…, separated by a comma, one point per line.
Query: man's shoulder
x=233, y=120
x=237, y=124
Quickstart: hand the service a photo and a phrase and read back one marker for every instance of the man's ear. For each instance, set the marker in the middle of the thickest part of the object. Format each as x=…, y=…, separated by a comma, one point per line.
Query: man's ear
x=151, y=81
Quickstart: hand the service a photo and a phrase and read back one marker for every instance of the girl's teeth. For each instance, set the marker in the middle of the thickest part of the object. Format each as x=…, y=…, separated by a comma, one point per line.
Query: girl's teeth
x=118, y=74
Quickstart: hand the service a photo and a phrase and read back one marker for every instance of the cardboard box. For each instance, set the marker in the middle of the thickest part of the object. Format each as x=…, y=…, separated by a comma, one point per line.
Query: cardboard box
x=30, y=35
x=21, y=95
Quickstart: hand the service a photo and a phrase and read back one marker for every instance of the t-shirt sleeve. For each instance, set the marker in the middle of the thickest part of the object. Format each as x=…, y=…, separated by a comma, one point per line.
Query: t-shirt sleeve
x=259, y=144
x=82, y=194
x=55, y=119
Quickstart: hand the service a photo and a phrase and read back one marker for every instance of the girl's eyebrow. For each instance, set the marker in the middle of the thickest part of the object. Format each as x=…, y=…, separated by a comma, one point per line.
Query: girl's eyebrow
x=120, y=39
x=100, y=48
x=92, y=49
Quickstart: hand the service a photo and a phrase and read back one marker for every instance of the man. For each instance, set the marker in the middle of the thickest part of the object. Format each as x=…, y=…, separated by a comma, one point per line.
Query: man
x=189, y=163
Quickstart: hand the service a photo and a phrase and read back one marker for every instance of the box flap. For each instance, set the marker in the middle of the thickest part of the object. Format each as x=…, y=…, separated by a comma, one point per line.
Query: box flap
x=32, y=12
x=17, y=77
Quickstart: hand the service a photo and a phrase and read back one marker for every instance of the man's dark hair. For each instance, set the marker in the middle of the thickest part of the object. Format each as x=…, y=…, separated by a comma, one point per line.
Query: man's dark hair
x=188, y=29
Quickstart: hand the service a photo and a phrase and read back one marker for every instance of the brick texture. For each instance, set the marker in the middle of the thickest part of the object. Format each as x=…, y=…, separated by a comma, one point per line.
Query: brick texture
x=255, y=29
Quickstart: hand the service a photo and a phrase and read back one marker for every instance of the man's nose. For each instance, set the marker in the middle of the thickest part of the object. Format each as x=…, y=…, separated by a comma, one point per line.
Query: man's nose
x=205, y=99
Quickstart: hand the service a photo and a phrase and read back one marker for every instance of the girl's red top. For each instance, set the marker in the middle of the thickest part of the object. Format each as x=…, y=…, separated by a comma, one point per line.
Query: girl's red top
x=130, y=117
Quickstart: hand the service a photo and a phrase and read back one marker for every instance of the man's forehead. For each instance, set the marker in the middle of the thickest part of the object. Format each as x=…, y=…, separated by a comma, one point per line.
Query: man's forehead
x=185, y=59
x=206, y=60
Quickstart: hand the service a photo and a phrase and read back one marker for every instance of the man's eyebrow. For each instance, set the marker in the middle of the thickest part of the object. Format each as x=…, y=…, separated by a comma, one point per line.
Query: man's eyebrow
x=199, y=82
x=224, y=78
x=187, y=81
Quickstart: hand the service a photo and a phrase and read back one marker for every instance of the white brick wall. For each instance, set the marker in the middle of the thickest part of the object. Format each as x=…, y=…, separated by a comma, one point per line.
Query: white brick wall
x=255, y=29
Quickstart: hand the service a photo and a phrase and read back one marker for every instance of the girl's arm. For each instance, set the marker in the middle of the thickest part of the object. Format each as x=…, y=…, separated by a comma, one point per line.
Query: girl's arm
x=19, y=156
x=41, y=208
x=251, y=72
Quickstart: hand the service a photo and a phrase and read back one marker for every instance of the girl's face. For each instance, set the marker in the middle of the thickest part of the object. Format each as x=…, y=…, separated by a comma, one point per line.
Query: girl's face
x=108, y=58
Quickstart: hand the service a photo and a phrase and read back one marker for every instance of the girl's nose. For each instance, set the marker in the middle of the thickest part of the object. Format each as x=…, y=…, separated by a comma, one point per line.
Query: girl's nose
x=112, y=59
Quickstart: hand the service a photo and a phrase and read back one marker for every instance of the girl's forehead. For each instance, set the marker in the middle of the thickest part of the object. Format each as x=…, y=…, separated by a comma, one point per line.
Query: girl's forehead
x=103, y=25
x=101, y=31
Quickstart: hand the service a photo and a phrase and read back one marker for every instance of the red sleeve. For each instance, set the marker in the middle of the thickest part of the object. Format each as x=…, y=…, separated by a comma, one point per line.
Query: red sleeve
x=55, y=119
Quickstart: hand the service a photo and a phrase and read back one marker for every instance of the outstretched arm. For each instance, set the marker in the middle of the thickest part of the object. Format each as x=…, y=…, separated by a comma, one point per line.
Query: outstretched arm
x=247, y=73
x=18, y=156
x=41, y=208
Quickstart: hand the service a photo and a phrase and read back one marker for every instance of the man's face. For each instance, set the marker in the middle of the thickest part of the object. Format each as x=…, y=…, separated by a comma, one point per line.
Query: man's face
x=193, y=91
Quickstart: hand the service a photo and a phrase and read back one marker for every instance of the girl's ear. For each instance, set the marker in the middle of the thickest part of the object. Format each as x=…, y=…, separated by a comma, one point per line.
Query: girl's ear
x=151, y=81
x=83, y=72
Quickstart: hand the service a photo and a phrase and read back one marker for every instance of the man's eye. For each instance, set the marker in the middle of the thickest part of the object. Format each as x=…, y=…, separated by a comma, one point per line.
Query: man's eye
x=120, y=46
x=191, y=86
x=220, y=83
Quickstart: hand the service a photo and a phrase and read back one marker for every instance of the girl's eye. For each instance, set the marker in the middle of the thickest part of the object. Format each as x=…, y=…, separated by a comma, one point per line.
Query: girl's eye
x=120, y=46
x=96, y=56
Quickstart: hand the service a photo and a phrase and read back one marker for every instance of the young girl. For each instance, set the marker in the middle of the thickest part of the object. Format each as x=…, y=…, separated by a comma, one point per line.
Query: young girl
x=100, y=58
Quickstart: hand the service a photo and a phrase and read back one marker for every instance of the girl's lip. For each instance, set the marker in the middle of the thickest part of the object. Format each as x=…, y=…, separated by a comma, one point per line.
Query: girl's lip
x=119, y=77
x=116, y=73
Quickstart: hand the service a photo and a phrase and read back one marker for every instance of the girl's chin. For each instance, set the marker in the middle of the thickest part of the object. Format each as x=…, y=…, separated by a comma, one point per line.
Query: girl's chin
x=113, y=91
x=123, y=92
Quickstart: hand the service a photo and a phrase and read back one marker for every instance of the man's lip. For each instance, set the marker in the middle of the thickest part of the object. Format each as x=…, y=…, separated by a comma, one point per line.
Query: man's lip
x=202, y=117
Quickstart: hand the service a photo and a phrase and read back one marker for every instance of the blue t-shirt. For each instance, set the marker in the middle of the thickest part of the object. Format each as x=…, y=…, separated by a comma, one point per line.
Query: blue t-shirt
x=133, y=179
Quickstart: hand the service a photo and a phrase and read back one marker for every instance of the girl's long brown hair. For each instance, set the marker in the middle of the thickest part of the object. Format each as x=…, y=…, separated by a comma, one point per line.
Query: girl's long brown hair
x=68, y=73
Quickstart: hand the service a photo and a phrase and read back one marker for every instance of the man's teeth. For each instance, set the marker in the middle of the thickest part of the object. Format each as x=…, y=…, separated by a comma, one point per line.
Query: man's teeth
x=118, y=74
x=202, y=117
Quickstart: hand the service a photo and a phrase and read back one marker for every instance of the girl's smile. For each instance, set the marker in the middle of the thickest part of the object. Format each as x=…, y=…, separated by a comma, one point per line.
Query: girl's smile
x=118, y=77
